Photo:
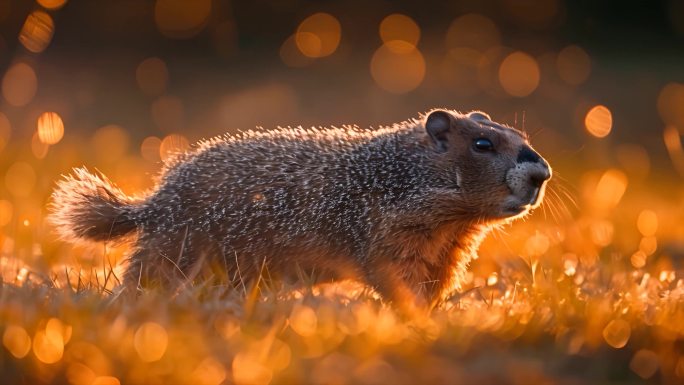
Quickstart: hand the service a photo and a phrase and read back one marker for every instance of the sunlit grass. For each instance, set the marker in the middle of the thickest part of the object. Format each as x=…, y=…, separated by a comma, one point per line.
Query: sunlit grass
x=531, y=318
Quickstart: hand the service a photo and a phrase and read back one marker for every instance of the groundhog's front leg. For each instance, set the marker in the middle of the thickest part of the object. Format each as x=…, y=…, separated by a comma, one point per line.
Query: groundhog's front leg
x=406, y=280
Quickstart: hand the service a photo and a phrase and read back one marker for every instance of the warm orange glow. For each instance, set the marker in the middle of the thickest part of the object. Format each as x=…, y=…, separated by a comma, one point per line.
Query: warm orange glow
x=5, y=130
x=318, y=35
x=152, y=76
x=106, y=380
x=16, y=340
x=602, y=233
x=37, y=31
x=6, y=210
x=673, y=143
x=599, y=121
x=573, y=65
x=670, y=102
x=181, y=19
x=150, y=341
x=610, y=189
x=473, y=31
x=20, y=179
x=648, y=245
x=248, y=370
x=149, y=149
x=172, y=145
x=50, y=128
x=399, y=28
x=617, y=333
x=291, y=55
x=537, y=245
x=19, y=84
x=303, y=320
x=52, y=4
x=209, y=372
x=398, y=70
x=519, y=74
x=644, y=363
x=38, y=148
x=110, y=143
x=638, y=259
x=48, y=348
x=647, y=223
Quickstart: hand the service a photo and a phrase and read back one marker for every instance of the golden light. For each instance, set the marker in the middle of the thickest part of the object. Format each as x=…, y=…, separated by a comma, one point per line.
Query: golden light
x=473, y=31
x=20, y=179
x=181, y=19
x=318, y=35
x=16, y=340
x=537, y=245
x=6, y=209
x=150, y=341
x=644, y=363
x=599, y=121
x=249, y=371
x=50, y=128
x=610, y=188
x=209, y=372
x=37, y=31
x=303, y=320
x=617, y=333
x=152, y=76
x=648, y=245
x=647, y=223
x=601, y=232
x=79, y=374
x=48, y=348
x=149, y=149
x=573, y=65
x=5, y=130
x=105, y=380
x=291, y=55
x=171, y=145
x=399, y=28
x=570, y=262
x=492, y=279
x=398, y=70
x=110, y=143
x=38, y=148
x=19, y=84
x=52, y=4
x=638, y=259
x=670, y=102
x=673, y=143
x=57, y=330
x=519, y=74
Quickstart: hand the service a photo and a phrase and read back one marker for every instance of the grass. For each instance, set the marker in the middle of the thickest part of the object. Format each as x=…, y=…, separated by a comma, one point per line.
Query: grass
x=527, y=324
x=595, y=296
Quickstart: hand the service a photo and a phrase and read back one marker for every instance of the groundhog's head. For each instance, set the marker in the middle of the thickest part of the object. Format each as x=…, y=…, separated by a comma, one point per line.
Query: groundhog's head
x=497, y=172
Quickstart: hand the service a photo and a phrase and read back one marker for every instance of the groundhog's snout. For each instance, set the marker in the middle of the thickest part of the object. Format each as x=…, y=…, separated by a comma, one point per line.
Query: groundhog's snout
x=527, y=180
x=540, y=171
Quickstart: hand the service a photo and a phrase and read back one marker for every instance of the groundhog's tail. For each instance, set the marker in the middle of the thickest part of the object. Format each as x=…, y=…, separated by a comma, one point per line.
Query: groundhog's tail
x=85, y=206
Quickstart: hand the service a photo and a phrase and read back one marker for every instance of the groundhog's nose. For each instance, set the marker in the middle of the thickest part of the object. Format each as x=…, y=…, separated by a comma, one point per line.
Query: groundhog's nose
x=537, y=175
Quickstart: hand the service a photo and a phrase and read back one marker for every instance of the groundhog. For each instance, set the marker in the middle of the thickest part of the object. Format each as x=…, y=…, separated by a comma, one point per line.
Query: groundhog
x=401, y=208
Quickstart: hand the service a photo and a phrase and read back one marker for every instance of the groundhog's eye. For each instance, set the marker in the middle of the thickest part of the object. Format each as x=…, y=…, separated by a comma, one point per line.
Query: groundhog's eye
x=483, y=144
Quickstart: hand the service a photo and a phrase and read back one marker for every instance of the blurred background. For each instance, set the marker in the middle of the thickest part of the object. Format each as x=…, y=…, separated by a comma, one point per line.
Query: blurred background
x=117, y=85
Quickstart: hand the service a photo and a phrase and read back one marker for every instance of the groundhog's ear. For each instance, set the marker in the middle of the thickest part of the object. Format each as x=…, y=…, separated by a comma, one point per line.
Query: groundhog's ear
x=437, y=124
